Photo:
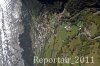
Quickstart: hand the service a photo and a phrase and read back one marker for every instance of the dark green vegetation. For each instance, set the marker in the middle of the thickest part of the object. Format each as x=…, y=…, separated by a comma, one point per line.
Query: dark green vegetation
x=73, y=6
x=50, y=38
x=25, y=39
